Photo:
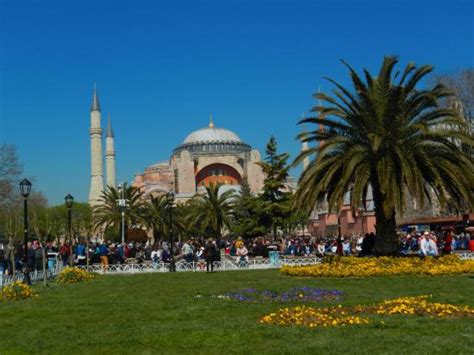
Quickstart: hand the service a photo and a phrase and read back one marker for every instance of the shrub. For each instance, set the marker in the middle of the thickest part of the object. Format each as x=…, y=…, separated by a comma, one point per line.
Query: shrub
x=72, y=275
x=16, y=291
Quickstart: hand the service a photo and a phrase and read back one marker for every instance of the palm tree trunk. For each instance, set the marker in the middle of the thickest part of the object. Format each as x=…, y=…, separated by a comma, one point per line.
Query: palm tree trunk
x=386, y=240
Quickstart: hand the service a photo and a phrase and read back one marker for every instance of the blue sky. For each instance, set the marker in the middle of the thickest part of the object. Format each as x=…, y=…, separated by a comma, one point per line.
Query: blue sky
x=162, y=66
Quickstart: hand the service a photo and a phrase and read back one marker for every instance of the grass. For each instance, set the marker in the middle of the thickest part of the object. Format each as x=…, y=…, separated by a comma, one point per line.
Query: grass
x=158, y=313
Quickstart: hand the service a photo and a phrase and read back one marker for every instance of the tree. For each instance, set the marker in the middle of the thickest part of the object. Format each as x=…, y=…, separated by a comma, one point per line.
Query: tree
x=389, y=136
x=13, y=227
x=107, y=214
x=58, y=222
x=41, y=224
x=82, y=223
x=155, y=215
x=10, y=170
x=248, y=219
x=273, y=197
x=187, y=223
x=296, y=218
x=215, y=210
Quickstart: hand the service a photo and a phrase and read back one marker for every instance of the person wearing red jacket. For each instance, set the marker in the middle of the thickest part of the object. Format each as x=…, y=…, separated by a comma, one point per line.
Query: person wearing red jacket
x=448, y=240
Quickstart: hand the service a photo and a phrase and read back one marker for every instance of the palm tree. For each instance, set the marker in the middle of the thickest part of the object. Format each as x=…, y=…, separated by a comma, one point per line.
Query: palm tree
x=215, y=210
x=155, y=215
x=390, y=137
x=186, y=221
x=107, y=214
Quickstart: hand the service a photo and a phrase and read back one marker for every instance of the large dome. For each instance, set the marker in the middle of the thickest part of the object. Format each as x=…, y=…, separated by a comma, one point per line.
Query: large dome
x=212, y=134
x=212, y=140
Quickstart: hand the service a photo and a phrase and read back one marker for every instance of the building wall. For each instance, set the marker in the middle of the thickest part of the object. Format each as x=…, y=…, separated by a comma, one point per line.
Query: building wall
x=184, y=170
x=326, y=224
x=255, y=174
x=156, y=178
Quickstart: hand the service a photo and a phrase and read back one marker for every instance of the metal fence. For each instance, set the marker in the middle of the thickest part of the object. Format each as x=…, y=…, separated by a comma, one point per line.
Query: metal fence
x=225, y=265
x=35, y=276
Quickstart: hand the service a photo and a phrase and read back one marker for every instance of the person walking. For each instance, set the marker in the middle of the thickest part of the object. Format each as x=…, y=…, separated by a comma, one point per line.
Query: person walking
x=104, y=255
x=210, y=250
x=187, y=251
x=64, y=252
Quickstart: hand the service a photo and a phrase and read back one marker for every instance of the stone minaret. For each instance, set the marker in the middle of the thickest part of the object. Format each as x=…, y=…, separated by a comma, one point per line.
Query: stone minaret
x=110, y=154
x=97, y=182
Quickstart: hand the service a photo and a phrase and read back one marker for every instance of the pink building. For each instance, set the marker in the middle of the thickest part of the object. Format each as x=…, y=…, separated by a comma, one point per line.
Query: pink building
x=323, y=223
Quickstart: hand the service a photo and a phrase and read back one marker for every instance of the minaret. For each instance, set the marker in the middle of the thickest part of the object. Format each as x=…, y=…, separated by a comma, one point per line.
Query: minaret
x=110, y=154
x=304, y=147
x=97, y=182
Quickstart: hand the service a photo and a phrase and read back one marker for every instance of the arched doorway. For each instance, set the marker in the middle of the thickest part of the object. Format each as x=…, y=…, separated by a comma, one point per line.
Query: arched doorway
x=218, y=174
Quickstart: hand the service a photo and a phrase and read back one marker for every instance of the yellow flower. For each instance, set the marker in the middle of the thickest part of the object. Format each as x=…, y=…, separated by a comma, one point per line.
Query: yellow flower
x=383, y=266
x=16, y=291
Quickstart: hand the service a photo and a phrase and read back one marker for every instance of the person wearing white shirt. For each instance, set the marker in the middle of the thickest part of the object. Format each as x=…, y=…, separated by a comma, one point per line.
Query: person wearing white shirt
x=428, y=246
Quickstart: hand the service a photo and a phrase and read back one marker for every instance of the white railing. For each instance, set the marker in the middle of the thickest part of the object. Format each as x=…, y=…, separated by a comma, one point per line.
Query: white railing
x=181, y=266
x=35, y=276
x=465, y=255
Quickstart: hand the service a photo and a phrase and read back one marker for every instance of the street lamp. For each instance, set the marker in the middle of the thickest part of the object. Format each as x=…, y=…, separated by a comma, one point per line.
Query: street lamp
x=25, y=189
x=361, y=216
x=122, y=204
x=69, y=200
x=170, y=200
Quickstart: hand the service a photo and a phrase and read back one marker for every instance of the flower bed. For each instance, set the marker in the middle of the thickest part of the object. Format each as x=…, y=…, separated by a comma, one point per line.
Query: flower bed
x=341, y=316
x=71, y=275
x=419, y=305
x=383, y=266
x=313, y=317
x=16, y=291
x=303, y=294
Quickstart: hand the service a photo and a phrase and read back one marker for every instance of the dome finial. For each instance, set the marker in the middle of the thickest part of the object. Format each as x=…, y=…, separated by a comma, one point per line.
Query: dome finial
x=211, y=123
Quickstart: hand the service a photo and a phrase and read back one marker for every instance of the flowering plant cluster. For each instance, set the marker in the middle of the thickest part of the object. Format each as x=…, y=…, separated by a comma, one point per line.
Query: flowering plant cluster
x=16, y=291
x=383, y=266
x=71, y=275
x=313, y=317
x=419, y=305
x=336, y=316
x=302, y=294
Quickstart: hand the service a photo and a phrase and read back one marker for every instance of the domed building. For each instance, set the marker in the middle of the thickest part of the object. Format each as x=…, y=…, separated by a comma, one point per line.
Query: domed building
x=208, y=155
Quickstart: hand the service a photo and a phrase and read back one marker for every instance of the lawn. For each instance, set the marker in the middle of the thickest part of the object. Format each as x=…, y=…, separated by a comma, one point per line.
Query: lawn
x=159, y=313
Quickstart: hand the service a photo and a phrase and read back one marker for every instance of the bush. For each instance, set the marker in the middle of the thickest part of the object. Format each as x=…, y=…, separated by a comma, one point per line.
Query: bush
x=16, y=291
x=72, y=275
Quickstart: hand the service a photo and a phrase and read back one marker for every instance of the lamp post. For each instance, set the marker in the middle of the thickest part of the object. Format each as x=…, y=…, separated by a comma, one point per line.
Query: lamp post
x=25, y=189
x=361, y=216
x=170, y=200
x=69, y=200
x=122, y=204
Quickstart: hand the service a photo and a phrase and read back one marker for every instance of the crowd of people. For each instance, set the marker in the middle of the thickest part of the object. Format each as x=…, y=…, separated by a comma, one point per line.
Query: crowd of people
x=207, y=251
